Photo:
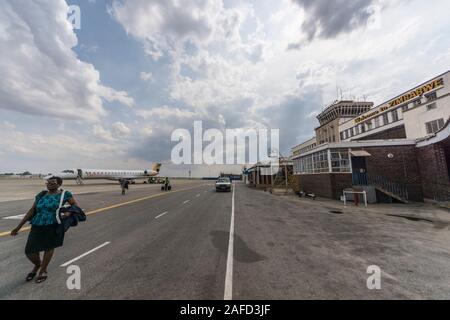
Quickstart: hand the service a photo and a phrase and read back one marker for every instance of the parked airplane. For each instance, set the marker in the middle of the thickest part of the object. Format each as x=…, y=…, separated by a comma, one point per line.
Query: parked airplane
x=82, y=174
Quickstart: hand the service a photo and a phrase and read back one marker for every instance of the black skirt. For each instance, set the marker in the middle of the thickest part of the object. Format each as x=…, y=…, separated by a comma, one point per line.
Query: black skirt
x=43, y=238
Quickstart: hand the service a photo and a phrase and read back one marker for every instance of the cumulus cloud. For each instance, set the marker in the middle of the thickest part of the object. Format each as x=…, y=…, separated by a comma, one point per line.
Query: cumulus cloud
x=100, y=132
x=162, y=24
x=146, y=76
x=120, y=129
x=327, y=19
x=227, y=64
x=41, y=75
x=48, y=152
x=165, y=113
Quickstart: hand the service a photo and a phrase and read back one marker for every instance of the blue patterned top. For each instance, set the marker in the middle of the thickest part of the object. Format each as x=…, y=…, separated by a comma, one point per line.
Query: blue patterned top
x=46, y=209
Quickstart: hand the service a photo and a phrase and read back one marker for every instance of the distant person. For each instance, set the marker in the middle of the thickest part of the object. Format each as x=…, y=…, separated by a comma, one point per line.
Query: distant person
x=43, y=236
x=124, y=185
x=166, y=183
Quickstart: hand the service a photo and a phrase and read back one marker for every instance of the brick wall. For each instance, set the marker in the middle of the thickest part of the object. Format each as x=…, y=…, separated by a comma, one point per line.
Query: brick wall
x=424, y=172
x=339, y=182
x=324, y=185
x=433, y=162
x=403, y=168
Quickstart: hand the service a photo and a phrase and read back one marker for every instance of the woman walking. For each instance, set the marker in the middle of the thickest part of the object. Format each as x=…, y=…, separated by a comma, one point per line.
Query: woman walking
x=43, y=236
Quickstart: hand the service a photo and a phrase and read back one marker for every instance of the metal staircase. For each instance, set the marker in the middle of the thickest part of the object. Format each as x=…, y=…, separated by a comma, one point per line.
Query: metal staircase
x=392, y=189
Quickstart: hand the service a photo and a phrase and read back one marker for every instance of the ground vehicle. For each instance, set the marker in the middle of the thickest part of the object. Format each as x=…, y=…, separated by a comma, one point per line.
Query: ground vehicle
x=223, y=184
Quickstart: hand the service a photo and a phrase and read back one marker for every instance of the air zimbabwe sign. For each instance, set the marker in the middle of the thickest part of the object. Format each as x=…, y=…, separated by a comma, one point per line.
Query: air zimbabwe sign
x=419, y=92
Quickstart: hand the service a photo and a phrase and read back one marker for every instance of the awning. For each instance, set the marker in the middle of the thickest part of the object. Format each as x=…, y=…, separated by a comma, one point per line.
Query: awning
x=360, y=153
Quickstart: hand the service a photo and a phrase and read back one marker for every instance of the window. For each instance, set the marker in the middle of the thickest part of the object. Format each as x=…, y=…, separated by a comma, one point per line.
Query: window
x=394, y=115
x=431, y=106
x=432, y=96
x=315, y=163
x=340, y=161
x=417, y=103
x=363, y=128
x=369, y=125
x=385, y=119
x=320, y=162
x=356, y=130
x=377, y=122
x=343, y=135
x=434, y=126
x=405, y=108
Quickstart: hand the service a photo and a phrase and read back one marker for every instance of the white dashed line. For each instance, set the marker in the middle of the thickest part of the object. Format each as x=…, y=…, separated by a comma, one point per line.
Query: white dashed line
x=164, y=213
x=229, y=273
x=186, y=201
x=84, y=254
x=18, y=217
x=198, y=195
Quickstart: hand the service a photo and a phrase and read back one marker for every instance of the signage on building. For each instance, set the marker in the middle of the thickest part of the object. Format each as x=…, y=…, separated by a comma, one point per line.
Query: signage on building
x=418, y=92
x=405, y=98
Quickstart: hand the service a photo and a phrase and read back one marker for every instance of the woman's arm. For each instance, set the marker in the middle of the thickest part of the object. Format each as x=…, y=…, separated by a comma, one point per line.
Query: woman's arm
x=24, y=220
x=72, y=202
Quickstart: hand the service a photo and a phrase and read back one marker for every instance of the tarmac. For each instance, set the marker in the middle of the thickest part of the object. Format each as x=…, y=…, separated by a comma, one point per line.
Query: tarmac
x=195, y=244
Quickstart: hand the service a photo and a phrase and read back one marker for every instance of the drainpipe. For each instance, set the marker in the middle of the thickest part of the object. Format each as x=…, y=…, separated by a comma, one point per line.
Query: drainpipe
x=330, y=170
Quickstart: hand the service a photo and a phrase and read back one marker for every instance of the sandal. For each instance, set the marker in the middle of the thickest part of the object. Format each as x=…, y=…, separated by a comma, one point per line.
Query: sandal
x=42, y=277
x=30, y=276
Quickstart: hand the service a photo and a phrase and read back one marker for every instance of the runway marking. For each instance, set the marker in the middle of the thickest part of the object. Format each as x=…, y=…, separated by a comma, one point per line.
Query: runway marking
x=162, y=214
x=18, y=217
x=7, y=233
x=186, y=201
x=198, y=195
x=228, y=295
x=84, y=254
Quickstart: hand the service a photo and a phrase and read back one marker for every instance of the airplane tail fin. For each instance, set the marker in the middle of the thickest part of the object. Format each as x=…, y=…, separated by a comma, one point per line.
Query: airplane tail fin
x=156, y=167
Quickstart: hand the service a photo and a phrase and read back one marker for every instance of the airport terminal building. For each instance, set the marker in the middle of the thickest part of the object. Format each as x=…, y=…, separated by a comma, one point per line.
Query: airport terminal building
x=397, y=151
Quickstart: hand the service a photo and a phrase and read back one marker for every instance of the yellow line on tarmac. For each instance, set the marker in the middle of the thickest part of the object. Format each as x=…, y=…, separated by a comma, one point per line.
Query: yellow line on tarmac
x=6, y=233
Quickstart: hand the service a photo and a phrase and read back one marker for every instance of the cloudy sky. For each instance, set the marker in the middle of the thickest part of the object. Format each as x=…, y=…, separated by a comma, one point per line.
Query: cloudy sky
x=110, y=94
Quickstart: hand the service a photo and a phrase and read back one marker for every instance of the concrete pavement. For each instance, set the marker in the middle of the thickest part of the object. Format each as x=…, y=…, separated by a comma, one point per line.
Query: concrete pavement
x=175, y=245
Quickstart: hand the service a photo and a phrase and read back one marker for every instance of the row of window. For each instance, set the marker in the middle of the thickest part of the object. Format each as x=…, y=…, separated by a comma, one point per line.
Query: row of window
x=341, y=111
x=434, y=126
x=372, y=124
x=319, y=162
x=109, y=173
x=306, y=149
x=385, y=119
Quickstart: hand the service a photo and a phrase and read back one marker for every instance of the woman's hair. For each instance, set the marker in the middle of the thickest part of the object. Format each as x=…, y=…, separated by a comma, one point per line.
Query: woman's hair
x=59, y=181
